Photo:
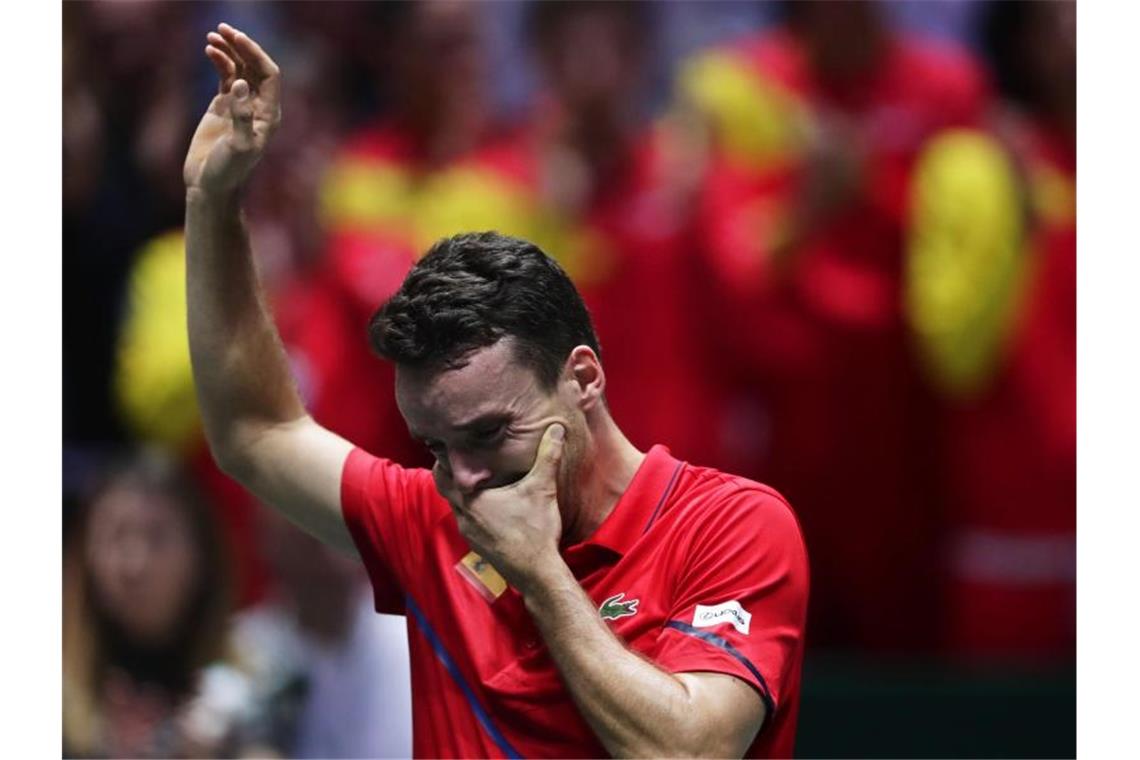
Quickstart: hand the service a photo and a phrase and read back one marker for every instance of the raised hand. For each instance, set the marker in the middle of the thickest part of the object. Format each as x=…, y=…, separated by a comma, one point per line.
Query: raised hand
x=237, y=126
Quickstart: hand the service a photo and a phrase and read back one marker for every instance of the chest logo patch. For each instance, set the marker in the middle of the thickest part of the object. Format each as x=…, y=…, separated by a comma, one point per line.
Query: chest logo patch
x=614, y=608
x=725, y=612
x=484, y=578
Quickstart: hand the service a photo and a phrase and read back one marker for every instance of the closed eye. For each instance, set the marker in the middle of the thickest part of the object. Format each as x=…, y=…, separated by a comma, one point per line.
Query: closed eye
x=486, y=436
x=437, y=449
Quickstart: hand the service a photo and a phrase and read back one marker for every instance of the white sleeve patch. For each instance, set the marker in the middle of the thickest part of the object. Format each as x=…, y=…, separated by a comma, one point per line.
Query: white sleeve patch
x=725, y=612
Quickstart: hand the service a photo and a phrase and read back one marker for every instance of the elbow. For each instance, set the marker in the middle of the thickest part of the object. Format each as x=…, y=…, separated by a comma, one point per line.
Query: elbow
x=700, y=744
x=701, y=734
x=230, y=452
x=245, y=449
x=685, y=738
x=230, y=460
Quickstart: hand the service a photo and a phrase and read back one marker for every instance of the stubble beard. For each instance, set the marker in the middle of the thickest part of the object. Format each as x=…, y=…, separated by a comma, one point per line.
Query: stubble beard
x=571, y=475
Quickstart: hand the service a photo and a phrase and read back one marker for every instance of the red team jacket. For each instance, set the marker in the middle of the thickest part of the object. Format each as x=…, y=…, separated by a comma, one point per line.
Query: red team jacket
x=694, y=569
x=628, y=251
x=1004, y=356
x=817, y=343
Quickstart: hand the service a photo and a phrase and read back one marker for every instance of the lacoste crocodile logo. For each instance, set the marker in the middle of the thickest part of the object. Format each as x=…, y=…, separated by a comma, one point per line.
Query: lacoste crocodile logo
x=614, y=608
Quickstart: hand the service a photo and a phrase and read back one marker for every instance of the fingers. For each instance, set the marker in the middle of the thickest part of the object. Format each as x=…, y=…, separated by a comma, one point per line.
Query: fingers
x=224, y=65
x=259, y=64
x=254, y=56
x=236, y=65
x=549, y=453
x=253, y=63
x=241, y=109
x=218, y=41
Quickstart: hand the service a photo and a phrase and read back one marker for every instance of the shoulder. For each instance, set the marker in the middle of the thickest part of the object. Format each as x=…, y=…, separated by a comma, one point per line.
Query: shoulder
x=379, y=141
x=733, y=534
x=372, y=487
x=720, y=505
x=941, y=65
x=508, y=150
x=707, y=486
x=773, y=54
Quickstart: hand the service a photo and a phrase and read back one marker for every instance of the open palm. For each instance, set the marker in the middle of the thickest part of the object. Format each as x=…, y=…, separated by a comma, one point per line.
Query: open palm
x=236, y=127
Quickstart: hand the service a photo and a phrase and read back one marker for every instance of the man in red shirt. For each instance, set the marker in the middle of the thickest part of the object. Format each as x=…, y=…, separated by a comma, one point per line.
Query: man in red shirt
x=566, y=593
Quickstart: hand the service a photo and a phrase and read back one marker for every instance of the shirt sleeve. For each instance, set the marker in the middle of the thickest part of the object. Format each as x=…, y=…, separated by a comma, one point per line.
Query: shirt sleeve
x=389, y=510
x=741, y=600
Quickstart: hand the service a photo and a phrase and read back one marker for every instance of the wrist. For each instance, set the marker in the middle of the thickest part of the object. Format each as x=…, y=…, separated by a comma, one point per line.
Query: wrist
x=213, y=200
x=547, y=578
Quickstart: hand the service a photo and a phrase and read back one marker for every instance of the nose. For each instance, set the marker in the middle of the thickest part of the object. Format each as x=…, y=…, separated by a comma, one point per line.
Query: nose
x=134, y=558
x=467, y=472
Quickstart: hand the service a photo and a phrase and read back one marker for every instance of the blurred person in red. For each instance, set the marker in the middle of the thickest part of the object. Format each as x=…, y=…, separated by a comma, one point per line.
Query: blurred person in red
x=428, y=163
x=812, y=129
x=431, y=163
x=329, y=676
x=613, y=180
x=145, y=605
x=991, y=296
x=587, y=177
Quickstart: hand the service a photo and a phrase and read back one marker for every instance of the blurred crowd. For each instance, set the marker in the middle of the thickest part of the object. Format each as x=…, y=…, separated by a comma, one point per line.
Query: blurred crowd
x=829, y=246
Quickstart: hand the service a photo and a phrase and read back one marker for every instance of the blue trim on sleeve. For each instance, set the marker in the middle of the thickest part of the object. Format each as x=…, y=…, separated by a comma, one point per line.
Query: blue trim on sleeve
x=457, y=676
x=718, y=641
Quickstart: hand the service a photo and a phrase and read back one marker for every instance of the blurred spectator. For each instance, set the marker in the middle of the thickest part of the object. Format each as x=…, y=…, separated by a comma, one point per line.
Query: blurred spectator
x=613, y=184
x=423, y=166
x=330, y=677
x=154, y=396
x=992, y=301
x=432, y=164
x=813, y=128
x=146, y=599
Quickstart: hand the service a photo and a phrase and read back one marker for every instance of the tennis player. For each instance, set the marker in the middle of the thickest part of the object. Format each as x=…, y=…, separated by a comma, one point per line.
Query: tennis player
x=566, y=593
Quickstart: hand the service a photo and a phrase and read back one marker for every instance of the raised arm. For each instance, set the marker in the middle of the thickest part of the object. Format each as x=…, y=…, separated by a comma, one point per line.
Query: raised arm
x=257, y=428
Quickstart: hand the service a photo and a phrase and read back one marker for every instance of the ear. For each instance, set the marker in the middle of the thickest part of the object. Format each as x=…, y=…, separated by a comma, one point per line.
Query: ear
x=584, y=372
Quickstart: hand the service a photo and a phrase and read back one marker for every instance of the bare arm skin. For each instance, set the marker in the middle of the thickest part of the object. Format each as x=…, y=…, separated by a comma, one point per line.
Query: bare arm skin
x=633, y=707
x=254, y=421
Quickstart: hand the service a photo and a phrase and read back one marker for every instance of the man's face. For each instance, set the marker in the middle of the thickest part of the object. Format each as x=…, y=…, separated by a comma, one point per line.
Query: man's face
x=483, y=422
x=591, y=64
x=443, y=58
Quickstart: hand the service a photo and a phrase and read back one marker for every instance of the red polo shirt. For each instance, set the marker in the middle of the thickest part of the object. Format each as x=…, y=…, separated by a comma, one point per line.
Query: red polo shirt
x=714, y=565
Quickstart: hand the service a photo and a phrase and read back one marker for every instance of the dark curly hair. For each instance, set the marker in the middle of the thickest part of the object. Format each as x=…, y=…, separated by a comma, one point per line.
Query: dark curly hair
x=474, y=289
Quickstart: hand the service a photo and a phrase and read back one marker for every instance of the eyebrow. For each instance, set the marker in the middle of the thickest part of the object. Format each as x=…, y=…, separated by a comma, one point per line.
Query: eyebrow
x=484, y=421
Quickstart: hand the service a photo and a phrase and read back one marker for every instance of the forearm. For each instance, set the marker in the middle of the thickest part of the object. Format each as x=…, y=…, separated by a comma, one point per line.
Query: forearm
x=633, y=707
x=240, y=370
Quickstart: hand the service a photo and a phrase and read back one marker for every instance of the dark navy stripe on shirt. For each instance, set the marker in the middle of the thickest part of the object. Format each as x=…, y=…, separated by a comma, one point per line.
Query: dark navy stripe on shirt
x=712, y=638
x=457, y=676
